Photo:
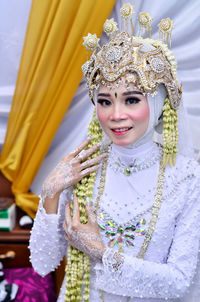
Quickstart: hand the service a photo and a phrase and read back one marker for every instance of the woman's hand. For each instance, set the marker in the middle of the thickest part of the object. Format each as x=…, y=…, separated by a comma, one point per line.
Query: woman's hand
x=71, y=169
x=84, y=237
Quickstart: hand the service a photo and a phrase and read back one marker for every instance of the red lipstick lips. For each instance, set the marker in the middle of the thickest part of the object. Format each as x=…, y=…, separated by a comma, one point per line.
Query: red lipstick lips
x=121, y=131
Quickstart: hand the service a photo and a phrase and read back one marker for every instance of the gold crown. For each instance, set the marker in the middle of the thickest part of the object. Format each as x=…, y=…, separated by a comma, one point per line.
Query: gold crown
x=143, y=61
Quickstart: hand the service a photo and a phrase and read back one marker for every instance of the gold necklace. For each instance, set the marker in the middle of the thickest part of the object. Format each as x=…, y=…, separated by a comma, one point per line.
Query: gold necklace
x=155, y=209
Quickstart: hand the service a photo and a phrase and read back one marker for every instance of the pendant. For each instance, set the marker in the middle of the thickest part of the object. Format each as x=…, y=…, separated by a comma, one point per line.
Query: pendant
x=127, y=171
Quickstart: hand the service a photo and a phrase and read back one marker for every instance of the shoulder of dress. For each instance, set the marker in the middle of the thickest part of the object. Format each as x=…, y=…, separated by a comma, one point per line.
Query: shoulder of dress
x=186, y=169
x=187, y=165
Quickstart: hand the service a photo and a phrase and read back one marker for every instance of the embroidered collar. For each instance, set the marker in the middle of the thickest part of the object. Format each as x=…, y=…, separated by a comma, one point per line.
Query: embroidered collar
x=133, y=160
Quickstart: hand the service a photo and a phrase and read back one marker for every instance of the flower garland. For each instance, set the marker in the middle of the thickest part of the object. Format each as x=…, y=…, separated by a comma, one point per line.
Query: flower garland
x=78, y=264
x=170, y=133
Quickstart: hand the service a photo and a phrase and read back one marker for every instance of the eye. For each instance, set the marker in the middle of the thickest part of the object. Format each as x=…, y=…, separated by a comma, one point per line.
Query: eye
x=104, y=103
x=132, y=100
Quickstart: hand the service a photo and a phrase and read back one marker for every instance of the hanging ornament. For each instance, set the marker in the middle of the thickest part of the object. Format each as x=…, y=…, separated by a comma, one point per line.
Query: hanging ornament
x=127, y=10
x=145, y=20
x=165, y=29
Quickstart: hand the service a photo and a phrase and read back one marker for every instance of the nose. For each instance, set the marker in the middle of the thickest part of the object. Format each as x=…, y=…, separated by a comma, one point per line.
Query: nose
x=118, y=113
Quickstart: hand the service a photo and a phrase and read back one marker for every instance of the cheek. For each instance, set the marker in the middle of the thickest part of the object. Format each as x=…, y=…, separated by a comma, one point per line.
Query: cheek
x=141, y=114
x=102, y=115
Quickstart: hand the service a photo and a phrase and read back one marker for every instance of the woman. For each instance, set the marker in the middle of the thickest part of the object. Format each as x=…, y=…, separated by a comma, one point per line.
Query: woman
x=132, y=228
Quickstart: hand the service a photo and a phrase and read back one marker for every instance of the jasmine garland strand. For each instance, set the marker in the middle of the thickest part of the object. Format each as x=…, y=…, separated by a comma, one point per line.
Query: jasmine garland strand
x=78, y=264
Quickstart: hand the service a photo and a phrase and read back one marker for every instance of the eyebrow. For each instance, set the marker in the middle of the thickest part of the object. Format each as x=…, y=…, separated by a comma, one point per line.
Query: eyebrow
x=104, y=94
x=132, y=92
x=125, y=93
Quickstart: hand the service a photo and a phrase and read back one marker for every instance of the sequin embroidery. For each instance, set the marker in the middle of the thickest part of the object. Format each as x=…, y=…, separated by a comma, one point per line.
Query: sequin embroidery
x=120, y=236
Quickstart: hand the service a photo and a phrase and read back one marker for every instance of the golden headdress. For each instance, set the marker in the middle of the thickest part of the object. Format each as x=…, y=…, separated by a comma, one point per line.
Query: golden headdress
x=149, y=59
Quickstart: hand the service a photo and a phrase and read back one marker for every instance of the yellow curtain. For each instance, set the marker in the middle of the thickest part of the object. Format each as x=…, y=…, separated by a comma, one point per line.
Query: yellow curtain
x=49, y=74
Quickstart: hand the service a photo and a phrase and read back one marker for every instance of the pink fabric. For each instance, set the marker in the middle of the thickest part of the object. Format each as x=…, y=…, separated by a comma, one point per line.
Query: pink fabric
x=32, y=287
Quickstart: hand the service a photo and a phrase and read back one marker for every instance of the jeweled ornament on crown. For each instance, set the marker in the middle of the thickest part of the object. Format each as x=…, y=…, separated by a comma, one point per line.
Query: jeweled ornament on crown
x=114, y=54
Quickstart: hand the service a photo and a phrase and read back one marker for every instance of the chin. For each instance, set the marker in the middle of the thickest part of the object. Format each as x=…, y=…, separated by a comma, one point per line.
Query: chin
x=122, y=142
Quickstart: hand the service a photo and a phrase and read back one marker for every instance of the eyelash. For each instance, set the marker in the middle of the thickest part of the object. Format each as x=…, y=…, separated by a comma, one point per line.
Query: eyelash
x=128, y=101
x=104, y=102
x=132, y=100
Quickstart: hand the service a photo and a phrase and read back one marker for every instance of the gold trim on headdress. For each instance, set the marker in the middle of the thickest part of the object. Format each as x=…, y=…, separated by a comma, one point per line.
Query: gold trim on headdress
x=128, y=54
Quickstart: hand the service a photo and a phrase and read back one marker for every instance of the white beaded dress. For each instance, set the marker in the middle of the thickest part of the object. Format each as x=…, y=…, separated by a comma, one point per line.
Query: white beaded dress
x=125, y=208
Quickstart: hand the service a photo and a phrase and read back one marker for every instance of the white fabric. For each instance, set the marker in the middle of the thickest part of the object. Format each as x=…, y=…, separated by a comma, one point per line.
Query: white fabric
x=13, y=21
x=155, y=110
x=168, y=268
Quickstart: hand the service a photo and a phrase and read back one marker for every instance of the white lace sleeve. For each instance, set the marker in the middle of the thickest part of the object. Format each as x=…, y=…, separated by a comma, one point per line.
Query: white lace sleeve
x=47, y=243
x=125, y=274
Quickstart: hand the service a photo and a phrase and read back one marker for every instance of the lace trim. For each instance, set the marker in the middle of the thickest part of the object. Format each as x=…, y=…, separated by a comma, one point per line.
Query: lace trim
x=113, y=260
x=136, y=165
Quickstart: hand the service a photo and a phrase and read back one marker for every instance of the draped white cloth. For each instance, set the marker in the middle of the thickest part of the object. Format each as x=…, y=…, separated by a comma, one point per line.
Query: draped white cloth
x=13, y=21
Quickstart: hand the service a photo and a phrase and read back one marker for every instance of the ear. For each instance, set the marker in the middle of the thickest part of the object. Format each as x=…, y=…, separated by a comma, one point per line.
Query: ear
x=159, y=127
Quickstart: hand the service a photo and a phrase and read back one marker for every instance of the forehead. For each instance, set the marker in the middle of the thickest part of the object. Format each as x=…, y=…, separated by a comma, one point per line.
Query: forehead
x=121, y=89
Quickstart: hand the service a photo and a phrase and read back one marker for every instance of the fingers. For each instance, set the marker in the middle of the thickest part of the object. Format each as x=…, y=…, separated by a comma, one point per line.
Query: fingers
x=68, y=218
x=90, y=213
x=81, y=146
x=65, y=228
x=76, y=214
x=92, y=161
x=91, y=150
x=89, y=170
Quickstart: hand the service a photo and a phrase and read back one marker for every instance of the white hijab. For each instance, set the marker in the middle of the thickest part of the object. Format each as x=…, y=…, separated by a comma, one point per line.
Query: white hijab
x=155, y=107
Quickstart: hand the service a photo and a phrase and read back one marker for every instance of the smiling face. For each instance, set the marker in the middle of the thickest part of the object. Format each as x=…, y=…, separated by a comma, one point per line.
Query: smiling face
x=123, y=114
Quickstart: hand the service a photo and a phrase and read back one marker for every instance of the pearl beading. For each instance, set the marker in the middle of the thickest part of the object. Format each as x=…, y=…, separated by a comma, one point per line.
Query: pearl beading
x=133, y=220
x=115, y=163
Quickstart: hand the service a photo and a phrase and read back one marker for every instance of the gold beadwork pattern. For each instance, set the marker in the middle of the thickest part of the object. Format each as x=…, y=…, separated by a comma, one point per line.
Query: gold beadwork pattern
x=126, y=54
x=102, y=182
x=155, y=211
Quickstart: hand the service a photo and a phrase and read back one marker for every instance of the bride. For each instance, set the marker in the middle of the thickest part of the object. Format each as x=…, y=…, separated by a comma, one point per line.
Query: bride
x=123, y=208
